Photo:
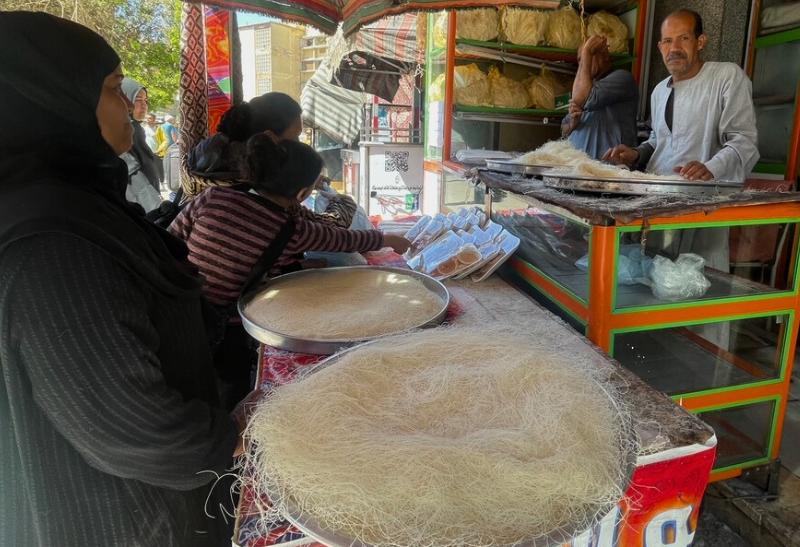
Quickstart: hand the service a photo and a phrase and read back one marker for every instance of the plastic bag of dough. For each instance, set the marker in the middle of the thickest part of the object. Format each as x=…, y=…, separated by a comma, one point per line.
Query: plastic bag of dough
x=605, y=24
x=524, y=27
x=471, y=86
x=564, y=29
x=507, y=93
x=472, y=24
x=544, y=88
x=477, y=24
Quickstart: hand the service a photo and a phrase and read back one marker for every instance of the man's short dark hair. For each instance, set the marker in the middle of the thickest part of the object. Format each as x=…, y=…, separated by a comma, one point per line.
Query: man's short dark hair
x=698, y=20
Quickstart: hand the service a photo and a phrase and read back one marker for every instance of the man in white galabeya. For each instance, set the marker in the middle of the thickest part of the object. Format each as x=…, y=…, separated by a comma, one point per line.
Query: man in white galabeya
x=703, y=119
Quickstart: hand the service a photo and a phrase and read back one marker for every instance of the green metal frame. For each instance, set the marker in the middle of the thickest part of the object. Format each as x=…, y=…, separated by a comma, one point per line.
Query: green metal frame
x=778, y=38
x=776, y=400
x=430, y=54
x=784, y=349
x=615, y=310
x=514, y=111
x=540, y=290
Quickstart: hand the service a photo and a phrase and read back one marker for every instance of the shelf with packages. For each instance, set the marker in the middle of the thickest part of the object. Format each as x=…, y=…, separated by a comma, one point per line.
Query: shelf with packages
x=716, y=336
x=452, y=124
x=773, y=64
x=535, y=52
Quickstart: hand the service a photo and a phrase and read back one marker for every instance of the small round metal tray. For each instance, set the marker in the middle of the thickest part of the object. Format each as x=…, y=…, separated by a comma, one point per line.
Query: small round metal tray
x=329, y=346
x=637, y=186
x=557, y=538
x=515, y=168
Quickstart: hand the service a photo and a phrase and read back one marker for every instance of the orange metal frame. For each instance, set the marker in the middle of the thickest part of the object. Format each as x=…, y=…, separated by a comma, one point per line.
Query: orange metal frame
x=602, y=321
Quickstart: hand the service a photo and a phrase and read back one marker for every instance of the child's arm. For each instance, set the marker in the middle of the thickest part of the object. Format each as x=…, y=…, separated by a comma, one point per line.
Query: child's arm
x=318, y=236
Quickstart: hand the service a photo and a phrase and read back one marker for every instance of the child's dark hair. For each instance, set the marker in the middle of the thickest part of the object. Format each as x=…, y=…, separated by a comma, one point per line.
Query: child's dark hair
x=274, y=111
x=283, y=169
x=236, y=123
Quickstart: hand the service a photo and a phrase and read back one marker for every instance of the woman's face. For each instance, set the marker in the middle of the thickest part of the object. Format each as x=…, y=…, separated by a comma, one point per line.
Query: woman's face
x=292, y=133
x=112, y=114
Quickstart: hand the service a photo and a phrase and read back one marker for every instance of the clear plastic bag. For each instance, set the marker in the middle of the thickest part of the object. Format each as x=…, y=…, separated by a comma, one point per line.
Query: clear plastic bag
x=679, y=280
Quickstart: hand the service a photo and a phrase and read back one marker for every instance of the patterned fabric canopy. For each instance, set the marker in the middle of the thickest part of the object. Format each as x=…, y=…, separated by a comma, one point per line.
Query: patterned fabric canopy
x=327, y=14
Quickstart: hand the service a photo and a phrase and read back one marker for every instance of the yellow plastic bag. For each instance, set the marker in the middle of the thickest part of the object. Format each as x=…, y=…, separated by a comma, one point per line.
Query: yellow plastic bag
x=524, y=27
x=507, y=93
x=471, y=86
x=544, y=88
x=605, y=24
x=564, y=29
x=436, y=89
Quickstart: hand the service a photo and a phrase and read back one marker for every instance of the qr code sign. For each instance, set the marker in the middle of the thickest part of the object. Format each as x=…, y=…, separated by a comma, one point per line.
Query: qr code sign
x=395, y=161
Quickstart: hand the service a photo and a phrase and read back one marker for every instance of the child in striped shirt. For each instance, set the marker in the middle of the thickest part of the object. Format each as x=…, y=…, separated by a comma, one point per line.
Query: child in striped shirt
x=227, y=229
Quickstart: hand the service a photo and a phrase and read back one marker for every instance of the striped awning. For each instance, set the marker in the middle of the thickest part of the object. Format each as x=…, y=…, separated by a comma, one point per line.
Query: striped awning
x=337, y=111
x=327, y=14
x=391, y=38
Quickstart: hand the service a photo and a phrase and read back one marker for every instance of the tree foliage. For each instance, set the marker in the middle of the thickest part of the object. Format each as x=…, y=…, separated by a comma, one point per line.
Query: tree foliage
x=145, y=33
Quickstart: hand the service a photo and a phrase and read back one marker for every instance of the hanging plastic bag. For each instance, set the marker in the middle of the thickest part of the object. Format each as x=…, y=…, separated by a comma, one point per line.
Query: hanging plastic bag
x=679, y=280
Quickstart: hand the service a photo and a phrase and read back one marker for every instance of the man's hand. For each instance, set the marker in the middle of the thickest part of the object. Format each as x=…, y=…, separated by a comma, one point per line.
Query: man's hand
x=694, y=170
x=397, y=242
x=621, y=155
x=593, y=45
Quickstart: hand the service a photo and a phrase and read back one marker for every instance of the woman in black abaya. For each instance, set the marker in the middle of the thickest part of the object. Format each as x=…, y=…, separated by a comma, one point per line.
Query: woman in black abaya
x=110, y=430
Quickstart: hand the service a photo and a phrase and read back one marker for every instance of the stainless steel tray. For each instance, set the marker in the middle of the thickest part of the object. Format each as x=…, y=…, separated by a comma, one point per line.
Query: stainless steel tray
x=634, y=186
x=327, y=347
x=557, y=538
x=513, y=168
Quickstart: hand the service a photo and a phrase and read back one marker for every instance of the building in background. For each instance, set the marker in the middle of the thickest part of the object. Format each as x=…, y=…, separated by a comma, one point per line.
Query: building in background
x=314, y=50
x=271, y=59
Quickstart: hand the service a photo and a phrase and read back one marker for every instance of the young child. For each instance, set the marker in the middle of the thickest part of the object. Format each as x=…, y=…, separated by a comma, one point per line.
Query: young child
x=227, y=229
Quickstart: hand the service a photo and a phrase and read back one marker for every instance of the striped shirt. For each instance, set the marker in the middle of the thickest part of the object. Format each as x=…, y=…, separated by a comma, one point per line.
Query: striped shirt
x=227, y=231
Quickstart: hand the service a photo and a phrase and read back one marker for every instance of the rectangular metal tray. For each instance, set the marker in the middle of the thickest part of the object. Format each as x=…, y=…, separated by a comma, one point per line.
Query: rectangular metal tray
x=328, y=347
x=514, y=168
x=638, y=187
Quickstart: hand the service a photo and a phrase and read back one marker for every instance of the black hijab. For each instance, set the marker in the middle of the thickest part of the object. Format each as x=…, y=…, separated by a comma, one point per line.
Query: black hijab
x=57, y=174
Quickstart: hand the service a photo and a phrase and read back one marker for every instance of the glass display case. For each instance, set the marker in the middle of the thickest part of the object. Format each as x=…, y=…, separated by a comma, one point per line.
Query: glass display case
x=718, y=337
x=774, y=67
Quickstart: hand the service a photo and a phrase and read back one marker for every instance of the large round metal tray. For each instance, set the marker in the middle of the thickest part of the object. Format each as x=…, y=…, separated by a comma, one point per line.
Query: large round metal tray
x=637, y=187
x=514, y=168
x=557, y=538
x=324, y=346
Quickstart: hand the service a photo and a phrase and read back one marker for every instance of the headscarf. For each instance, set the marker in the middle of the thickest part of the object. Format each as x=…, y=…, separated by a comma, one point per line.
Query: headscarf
x=141, y=151
x=57, y=174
